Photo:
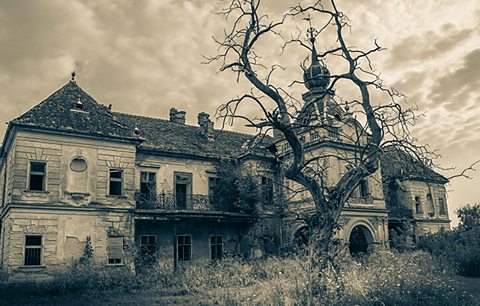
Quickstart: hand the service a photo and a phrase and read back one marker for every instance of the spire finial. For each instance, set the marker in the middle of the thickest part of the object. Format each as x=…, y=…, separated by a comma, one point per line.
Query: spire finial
x=74, y=74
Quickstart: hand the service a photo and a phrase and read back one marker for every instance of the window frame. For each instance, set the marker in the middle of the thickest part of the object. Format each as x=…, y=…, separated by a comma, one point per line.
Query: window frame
x=151, y=185
x=183, y=178
x=33, y=247
x=215, y=245
x=148, y=245
x=44, y=174
x=183, y=245
x=116, y=180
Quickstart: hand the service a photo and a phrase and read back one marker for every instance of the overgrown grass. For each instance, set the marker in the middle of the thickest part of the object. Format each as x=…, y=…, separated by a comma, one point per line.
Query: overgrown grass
x=384, y=278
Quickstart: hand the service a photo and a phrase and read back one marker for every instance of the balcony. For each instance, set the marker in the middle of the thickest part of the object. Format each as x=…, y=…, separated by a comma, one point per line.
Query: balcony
x=170, y=201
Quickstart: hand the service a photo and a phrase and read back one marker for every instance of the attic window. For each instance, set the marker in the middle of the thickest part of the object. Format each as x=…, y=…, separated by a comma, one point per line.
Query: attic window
x=79, y=105
x=78, y=165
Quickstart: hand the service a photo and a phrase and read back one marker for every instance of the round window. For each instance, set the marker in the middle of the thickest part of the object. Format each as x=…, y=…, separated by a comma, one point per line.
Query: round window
x=78, y=165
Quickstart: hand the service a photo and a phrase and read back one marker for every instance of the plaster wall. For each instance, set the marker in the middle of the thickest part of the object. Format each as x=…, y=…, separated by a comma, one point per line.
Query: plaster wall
x=64, y=235
x=61, y=186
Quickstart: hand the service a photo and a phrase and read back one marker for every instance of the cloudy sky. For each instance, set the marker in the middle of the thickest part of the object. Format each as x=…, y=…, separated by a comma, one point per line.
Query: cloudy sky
x=145, y=57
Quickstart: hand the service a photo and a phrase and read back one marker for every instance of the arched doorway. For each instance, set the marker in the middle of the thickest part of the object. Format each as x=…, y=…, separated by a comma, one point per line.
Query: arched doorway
x=360, y=240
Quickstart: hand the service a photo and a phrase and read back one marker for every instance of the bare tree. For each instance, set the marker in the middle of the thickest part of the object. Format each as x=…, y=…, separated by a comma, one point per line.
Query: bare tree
x=380, y=125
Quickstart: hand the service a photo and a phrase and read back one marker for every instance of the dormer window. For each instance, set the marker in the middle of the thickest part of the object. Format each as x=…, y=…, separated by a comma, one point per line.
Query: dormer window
x=79, y=105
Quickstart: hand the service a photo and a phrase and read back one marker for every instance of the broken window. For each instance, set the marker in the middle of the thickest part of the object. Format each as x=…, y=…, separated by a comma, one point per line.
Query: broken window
x=184, y=248
x=216, y=247
x=37, y=176
x=116, y=182
x=148, y=246
x=33, y=250
x=267, y=189
x=418, y=205
x=148, y=186
x=115, y=251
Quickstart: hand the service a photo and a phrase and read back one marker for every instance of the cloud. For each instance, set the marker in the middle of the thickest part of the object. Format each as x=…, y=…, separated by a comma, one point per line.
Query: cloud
x=427, y=46
x=455, y=88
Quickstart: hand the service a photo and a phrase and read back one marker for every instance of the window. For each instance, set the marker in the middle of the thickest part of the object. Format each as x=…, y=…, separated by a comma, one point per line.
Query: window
x=148, y=186
x=443, y=208
x=33, y=250
x=37, y=176
x=148, y=245
x=78, y=165
x=116, y=182
x=216, y=247
x=418, y=205
x=314, y=135
x=115, y=250
x=184, y=248
x=212, y=187
x=267, y=189
x=183, y=190
x=363, y=188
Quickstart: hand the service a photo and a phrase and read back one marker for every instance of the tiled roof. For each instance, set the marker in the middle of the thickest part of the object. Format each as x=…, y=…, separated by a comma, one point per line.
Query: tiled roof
x=163, y=135
x=58, y=112
x=397, y=164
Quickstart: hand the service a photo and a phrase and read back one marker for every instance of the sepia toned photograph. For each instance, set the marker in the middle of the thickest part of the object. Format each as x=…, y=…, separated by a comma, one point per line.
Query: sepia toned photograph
x=240, y=152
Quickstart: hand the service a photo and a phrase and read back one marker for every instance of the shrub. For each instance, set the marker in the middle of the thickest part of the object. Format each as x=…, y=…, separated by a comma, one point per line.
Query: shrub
x=459, y=248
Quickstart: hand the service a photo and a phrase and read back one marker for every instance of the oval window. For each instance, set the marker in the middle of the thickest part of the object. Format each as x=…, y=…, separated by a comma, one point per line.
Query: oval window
x=78, y=165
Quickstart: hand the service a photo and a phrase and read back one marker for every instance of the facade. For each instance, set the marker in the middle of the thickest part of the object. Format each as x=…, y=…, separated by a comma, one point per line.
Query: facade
x=415, y=195
x=73, y=172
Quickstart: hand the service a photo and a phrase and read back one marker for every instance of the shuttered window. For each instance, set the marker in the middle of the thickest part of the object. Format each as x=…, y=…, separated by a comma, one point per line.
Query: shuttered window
x=115, y=250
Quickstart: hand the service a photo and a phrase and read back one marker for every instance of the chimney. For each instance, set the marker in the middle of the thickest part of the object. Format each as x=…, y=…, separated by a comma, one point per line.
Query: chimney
x=206, y=125
x=177, y=116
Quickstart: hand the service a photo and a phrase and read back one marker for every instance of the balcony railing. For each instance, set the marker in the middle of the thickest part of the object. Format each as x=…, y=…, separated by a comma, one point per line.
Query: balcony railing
x=170, y=201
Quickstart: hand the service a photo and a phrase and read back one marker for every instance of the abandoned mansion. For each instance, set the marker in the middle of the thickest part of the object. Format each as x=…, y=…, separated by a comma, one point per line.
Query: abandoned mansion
x=74, y=175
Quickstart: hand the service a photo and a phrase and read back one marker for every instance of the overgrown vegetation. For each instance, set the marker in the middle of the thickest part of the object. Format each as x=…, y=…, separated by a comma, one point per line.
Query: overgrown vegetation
x=235, y=191
x=385, y=278
x=459, y=248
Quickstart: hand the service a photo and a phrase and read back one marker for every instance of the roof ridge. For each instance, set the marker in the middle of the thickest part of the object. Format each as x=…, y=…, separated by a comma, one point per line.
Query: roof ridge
x=181, y=124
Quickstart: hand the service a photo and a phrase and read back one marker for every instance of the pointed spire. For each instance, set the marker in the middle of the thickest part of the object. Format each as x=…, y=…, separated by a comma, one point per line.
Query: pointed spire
x=316, y=76
x=311, y=31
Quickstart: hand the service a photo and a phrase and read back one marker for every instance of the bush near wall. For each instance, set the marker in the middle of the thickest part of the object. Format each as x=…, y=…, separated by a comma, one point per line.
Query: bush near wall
x=385, y=278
